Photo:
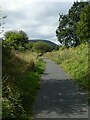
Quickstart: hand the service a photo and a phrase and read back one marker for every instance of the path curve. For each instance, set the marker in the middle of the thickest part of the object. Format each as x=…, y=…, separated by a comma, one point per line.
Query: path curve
x=58, y=97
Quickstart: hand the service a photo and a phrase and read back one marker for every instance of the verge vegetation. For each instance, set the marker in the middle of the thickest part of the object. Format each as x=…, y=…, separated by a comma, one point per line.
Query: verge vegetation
x=21, y=72
x=74, y=37
x=74, y=61
x=22, y=67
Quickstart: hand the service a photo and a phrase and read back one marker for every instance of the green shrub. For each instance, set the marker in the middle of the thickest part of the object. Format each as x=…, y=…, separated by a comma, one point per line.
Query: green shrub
x=16, y=40
x=41, y=47
x=29, y=46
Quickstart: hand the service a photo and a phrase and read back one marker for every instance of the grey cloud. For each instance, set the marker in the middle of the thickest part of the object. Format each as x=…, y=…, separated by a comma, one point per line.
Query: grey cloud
x=35, y=16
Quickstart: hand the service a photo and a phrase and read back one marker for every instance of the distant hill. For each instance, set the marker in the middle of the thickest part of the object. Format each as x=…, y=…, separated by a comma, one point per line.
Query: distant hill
x=46, y=41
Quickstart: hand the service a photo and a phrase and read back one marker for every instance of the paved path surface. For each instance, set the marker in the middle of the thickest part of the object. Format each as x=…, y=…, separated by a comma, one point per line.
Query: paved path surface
x=58, y=97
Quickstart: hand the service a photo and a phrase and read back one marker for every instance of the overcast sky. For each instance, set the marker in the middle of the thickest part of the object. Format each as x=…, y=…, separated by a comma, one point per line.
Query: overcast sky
x=38, y=19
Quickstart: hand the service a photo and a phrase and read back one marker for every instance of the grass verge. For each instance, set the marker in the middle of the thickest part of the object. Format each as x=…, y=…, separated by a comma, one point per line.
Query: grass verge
x=21, y=76
x=75, y=63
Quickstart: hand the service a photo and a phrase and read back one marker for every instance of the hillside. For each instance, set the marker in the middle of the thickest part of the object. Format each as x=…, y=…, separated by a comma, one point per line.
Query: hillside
x=75, y=62
x=46, y=41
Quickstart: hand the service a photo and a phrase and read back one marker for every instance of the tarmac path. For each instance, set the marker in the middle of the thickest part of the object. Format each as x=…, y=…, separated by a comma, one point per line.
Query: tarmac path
x=59, y=97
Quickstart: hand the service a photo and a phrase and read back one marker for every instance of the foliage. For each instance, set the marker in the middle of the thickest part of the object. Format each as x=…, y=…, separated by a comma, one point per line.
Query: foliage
x=8, y=34
x=29, y=46
x=21, y=76
x=16, y=40
x=84, y=23
x=75, y=63
x=41, y=47
x=66, y=32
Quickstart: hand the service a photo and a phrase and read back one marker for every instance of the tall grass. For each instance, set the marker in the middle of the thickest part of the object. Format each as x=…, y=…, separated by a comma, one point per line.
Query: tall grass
x=75, y=62
x=21, y=76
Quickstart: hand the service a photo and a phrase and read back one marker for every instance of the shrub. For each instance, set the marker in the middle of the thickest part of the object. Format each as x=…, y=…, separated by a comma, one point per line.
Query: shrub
x=16, y=40
x=41, y=47
x=29, y=46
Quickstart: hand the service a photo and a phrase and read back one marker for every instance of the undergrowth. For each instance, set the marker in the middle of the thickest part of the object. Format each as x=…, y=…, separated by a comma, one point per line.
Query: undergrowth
x=75, y=62
x=21, y=76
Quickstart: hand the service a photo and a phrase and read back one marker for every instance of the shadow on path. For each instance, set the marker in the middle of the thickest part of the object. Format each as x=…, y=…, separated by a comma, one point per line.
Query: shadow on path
x=59, y=98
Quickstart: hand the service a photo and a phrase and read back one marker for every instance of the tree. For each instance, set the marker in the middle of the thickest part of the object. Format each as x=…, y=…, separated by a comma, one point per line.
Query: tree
x=24, y=36
x=66, y=32
x=74, y=15
x=8, y=34
x=41, y=47
x=16, y=39
x=83, y=26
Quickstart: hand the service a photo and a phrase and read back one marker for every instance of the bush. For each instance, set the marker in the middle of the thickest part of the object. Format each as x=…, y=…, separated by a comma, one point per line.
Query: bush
x=29, y=46
x=16, y=40
x=41, y=47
